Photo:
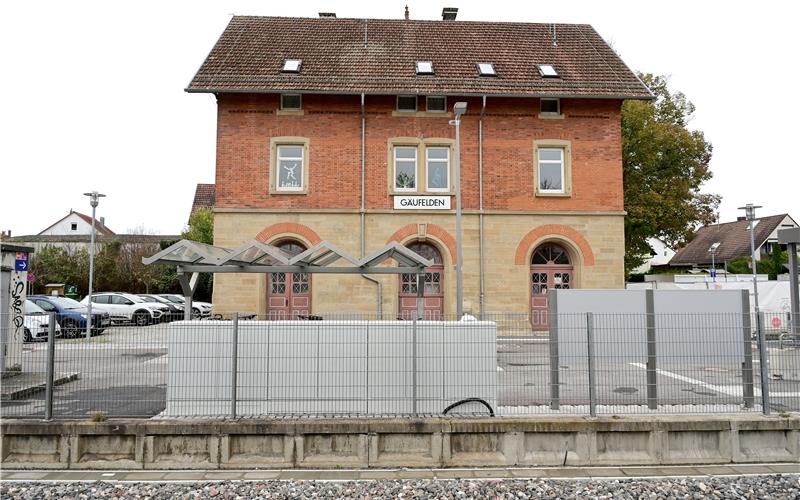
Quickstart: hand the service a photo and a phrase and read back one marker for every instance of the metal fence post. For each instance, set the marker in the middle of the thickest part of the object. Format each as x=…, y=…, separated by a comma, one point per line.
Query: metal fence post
x=763, y=360
x=51, y=358
x=652, y=374
x=552, y=312
x=748, y=389
x=590, y=355
x=234, y=362
x=414, y=367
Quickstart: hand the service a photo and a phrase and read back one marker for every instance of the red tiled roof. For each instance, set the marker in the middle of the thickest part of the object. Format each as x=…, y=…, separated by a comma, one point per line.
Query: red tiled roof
x=733, y=237
x=203, y=197
x=377, y=56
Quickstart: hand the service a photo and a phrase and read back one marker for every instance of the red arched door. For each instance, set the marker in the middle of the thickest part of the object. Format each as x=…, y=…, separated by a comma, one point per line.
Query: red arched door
x=550, y=269
x=289, y=294
x=434, y=286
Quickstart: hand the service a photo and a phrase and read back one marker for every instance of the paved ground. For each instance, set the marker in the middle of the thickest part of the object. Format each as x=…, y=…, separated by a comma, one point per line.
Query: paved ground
x=364, y=474
x=124, y=373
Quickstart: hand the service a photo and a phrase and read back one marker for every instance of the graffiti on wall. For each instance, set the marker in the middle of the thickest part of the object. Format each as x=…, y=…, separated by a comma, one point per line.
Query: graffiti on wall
x=17, y=294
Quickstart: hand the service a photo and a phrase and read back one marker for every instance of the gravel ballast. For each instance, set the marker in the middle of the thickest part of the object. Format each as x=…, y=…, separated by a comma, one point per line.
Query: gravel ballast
x=762, y=487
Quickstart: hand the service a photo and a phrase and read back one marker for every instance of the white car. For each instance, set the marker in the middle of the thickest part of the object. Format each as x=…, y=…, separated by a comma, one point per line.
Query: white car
x=37, y=323
x=124, y=307
x=200, y=310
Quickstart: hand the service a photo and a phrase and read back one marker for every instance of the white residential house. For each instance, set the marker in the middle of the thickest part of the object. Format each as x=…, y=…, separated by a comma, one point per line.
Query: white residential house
x=660, y=255
x=76, y=223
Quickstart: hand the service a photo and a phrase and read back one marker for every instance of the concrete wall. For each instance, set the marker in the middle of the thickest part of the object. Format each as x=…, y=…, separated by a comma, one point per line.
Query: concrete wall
x=331, y=367
x=13, y=292
x=434, y=442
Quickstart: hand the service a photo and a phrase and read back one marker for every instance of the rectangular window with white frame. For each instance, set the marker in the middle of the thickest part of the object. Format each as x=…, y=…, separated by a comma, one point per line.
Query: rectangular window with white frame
x=438, y=169
x=551, y=170
x=290, y=168
x=405, y=168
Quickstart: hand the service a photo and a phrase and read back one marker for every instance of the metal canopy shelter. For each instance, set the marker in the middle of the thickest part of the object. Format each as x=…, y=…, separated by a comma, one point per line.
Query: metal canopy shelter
x=192, y=258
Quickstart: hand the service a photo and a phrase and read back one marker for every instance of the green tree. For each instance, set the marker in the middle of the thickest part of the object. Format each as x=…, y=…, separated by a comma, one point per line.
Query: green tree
x=664, y=167
x=773, y=266
x=201, y=229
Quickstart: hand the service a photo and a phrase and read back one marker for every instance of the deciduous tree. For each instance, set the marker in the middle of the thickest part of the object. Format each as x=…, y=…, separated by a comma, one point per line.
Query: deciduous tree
x=664, y=165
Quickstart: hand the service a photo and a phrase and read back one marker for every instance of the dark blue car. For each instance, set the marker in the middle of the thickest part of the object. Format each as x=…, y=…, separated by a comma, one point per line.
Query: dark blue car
x=71, y=314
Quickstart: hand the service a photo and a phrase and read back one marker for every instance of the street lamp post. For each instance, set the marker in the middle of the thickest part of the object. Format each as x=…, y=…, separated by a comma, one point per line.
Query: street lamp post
x=750, y=212
x=94, y=200
x=713, y=250
x=459, y=109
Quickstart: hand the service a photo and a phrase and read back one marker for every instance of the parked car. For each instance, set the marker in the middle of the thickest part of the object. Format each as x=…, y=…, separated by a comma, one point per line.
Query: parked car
x=199, y=309
x=175, y=310
x=71, y=314
x=125, y=307
x=37, y=323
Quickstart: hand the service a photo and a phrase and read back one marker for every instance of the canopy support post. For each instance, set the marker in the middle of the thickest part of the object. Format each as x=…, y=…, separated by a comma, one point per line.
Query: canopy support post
x=188, y=286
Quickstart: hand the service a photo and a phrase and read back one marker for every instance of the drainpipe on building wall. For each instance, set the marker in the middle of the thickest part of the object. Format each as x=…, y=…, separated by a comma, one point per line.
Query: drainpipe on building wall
x=482, y=296
x=362, y=211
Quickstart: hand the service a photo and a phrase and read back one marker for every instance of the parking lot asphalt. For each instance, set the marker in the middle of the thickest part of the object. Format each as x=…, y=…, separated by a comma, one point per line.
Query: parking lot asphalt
x=124, y=373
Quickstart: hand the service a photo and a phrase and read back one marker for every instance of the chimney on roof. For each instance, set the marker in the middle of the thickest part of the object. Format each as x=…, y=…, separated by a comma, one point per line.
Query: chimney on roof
x=740, y=218
x=406, y=12
x=327, y=14
x=449, y=13
x=103, y=221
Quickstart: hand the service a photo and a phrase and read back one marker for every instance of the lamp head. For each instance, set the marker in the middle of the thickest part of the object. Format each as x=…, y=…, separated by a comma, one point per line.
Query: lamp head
x=459, y=109
x=750, y=210
x=94, y=198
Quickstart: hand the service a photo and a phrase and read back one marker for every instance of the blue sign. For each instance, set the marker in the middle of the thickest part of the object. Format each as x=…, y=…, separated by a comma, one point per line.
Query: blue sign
x=713, y=273
x=21, y=261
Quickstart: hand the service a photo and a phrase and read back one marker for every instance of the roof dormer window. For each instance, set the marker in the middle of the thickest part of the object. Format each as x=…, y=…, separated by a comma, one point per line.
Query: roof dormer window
x=548, y=71
x=424, y=67
x=486, y=69
x=292, y=65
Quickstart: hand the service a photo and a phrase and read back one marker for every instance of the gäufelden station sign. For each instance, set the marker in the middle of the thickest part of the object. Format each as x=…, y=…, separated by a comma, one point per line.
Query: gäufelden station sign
x=422, y=203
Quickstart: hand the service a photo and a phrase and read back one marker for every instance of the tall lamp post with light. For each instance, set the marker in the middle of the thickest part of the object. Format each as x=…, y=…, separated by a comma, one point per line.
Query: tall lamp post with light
x=94, y=200
x=459, y=109
x=713, y=250
x=750, y=212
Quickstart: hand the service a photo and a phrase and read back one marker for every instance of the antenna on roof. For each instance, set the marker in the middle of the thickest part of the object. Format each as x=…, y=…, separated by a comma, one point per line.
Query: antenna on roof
x=555, y=36
x=406, y=12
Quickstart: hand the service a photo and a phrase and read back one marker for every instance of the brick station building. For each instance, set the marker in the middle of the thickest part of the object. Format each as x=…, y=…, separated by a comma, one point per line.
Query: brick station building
x=339, y=130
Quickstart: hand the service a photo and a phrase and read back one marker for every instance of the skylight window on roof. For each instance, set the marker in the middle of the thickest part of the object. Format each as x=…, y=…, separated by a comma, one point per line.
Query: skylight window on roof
x=548, y=71
x=292, y=65
x=424, y=68
x=486, y=69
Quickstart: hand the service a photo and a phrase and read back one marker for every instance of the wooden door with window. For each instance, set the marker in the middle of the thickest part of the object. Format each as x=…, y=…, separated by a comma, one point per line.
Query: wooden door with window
x=289, y=294
x=550, y=269
x=433, y=304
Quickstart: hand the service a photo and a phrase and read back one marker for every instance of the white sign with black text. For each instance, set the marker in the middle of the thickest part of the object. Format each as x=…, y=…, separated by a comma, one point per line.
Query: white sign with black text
x=422, y=203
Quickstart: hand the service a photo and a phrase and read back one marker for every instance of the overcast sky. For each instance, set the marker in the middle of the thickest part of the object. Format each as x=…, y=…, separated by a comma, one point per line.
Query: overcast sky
x=93, y=94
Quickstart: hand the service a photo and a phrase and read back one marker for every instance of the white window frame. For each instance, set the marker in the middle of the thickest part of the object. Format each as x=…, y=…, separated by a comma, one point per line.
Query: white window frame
x=416, y=169
x=416, y=104
x=424, y=67
x=539, y=163
x=299, y=106
x=278, y=186
x=558, y=106
x=429, y=110
x=489, y=67
x=445, y=189
x=292, y=65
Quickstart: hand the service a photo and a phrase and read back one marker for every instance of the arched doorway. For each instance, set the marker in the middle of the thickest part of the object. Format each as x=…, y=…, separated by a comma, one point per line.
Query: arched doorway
x=551, y=268
x=433, y=307
x=289, y=294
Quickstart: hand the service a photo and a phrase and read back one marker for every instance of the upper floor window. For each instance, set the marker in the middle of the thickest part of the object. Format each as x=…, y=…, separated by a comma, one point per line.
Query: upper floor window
x=486, y=69
x=550, y=105
x=74, y=226
x=290, y=168
x=551, y=170
x=436, y=103
x=291, y=102
x=424, y=68
x=292, y=65
x=438, y=169
x=405, y=168
x=406, y=103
